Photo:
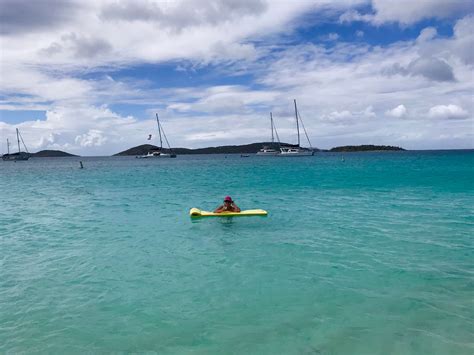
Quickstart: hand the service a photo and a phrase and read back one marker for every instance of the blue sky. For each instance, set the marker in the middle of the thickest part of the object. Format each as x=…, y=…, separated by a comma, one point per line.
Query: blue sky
x=88, y=77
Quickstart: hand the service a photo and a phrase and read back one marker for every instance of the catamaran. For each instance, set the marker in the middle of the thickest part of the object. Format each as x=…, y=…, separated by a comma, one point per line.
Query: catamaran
x=269, y=150
x=158, y=153
x=16, y=156
x=297, y=151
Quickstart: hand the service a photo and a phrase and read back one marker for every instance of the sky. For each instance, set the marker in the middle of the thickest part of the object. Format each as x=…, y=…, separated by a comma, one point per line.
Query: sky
x=88, y=76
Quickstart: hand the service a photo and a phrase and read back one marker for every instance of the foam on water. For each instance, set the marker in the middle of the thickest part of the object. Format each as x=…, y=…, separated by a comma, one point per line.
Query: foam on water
x=373, y=255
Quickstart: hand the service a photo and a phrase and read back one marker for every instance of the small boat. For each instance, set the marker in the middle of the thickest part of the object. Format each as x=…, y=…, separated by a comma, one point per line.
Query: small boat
x=244, y=155
x=297, y=151
x=16, y=156
x=159, y=153
x=269, y=150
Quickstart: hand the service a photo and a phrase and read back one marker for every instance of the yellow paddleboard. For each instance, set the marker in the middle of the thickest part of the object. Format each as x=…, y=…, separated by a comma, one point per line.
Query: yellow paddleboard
x=196, y=212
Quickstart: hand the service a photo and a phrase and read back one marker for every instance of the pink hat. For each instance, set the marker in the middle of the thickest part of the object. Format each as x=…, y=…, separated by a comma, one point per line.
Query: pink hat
x=228, y=198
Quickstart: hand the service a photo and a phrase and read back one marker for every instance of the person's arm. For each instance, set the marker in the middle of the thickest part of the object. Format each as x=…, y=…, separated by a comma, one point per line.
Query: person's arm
x=236, y=208
x=219, y=209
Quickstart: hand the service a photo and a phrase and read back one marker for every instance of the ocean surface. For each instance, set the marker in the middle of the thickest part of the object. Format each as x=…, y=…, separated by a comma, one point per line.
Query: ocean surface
x=361, y=253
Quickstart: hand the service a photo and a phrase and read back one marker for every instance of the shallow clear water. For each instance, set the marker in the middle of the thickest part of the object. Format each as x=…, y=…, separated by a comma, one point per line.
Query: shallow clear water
x=370, y=255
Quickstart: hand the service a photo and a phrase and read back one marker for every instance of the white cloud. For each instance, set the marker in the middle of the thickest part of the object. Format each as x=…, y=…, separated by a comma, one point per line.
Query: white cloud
x=431, y=68
x=225, y=99
x=330, y=37
x=342, y=115
x=369, y=112
x=398, y=112
x=464, y=44
x=93, y=138
x=178, y=15
x=448, y=112
x=427, y=34
x=27, y=16
x=407, y=12
x=347, y=117
x=353, y=15
x=92, y=34
x=47, y=140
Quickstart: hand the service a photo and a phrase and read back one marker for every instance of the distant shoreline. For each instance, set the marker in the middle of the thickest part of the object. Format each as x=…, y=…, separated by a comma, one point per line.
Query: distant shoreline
x=220, y=150
x=248, y=149
x=365, y=148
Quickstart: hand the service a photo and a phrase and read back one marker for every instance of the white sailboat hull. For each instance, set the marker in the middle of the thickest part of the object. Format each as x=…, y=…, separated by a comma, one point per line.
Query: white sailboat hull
x=15, y=157
x=157, y=155
x=268, y=153
x=303, y=154
x=295, y=152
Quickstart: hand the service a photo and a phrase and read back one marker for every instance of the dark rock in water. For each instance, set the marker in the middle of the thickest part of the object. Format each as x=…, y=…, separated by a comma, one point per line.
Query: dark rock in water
x=365, y=148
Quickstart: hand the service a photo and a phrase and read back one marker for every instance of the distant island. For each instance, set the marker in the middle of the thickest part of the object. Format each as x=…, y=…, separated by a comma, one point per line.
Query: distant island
x=249, y=149
x=225, y=149
x=51, y=154
x=364, y=148
x=46, y=154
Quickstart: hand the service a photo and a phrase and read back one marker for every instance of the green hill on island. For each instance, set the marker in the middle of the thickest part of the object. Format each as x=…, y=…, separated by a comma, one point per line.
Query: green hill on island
x=48, y=154
x=52, y=154
x=226, y=149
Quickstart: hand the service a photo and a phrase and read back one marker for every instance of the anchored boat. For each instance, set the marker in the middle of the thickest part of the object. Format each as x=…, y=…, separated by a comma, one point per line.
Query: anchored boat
x=297, y=151
x=16, y=156
x=269, y=150
x=158, y=153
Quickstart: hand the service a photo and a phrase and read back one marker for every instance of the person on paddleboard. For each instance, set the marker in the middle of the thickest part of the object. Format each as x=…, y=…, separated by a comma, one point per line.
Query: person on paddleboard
x=228, y=206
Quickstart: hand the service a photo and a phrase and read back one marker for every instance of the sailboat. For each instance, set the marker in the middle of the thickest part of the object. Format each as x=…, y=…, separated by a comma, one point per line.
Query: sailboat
x=16, y=156
x=269, y=150
x=297, y=151
x=158, y=153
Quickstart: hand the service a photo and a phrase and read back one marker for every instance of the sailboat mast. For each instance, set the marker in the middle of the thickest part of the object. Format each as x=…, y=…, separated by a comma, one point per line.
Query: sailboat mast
x=8, y=146
x=18, y=139
x=271, y=123
x=297, y=123
x=159, y=131
x=22, y=141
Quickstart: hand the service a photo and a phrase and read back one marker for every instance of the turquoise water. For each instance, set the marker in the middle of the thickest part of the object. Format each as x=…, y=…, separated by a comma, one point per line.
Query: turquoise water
x=370, y=255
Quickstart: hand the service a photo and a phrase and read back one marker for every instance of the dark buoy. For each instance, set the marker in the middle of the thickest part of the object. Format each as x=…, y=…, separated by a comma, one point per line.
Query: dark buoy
x=81, y=166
